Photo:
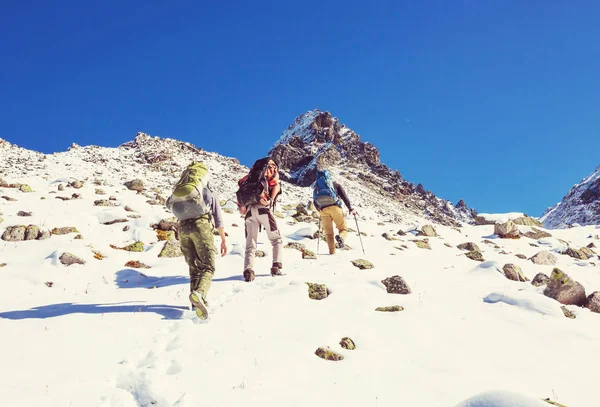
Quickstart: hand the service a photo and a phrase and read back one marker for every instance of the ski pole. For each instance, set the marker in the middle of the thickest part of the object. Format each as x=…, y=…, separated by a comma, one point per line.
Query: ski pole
x=357, y=228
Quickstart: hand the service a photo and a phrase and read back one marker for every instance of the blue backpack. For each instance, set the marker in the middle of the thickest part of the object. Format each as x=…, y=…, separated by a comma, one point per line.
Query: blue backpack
x=324, y=192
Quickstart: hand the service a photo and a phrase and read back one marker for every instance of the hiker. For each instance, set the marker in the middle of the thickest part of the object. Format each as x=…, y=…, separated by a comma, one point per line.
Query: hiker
x=198, y=210
x=256, y=197
x=326, y=197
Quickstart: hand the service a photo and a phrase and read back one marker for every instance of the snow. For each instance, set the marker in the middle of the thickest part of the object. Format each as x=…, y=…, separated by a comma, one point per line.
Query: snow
x=501, y=217
x=103, y=334
x=300, y=128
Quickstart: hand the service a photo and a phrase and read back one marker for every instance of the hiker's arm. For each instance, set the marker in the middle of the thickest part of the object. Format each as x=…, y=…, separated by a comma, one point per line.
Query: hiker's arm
x=275, y=191
x=340, y=191
x=217, y=215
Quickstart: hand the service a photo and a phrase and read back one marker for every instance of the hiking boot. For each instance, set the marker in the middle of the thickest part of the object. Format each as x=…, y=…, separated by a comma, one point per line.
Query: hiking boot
x=276, y=271
x=249, y=275
x=198, y=304
x=339, y=241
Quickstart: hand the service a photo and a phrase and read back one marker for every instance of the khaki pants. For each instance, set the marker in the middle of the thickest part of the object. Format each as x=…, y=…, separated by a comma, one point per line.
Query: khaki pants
x=198, y=247
x=257, y=216
x=329, y=216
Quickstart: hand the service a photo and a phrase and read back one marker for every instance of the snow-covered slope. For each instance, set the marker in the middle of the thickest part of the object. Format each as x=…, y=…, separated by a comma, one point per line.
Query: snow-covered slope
x=581, y=205
x=107, y=331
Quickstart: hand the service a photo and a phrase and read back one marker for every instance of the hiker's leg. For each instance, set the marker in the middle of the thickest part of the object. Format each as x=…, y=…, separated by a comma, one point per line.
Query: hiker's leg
x=251, y=237
x=189, y=253
x=340, y=222
x=268, y=222
x=327, y=222
x=205, y=255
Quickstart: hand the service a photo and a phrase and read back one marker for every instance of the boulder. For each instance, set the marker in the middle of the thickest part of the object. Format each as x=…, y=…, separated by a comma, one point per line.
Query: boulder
x=427, y=230
x=544, y=258
x=475, y=255
x=513, y=272
x=68, y=259
x=587, y=251
x=576, y=254
x=507, y=230
x=328, y=354
x=469, y=246
x=422, y=244
x=317, y=291
x=171, y=249
x=593, y=302
x=347, y=343
x=135, y=185
x=387, y=236
x=392, y=308
x=540, y=279
x=396, y=285
x=564, y=289
x=14, y=233
x=362, y=264
x=32, y=232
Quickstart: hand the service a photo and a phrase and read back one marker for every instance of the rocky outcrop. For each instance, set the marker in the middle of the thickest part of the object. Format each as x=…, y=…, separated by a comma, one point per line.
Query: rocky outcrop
x=527, y=221
x=580, y=205
x=316, y=139
x=507, y=230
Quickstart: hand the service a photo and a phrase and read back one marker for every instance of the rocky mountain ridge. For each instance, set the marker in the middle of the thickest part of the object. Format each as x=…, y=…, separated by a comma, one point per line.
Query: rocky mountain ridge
x=580, y=205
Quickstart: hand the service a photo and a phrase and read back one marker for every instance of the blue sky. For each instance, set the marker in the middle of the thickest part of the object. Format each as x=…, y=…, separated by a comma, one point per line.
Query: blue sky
x=496, y=102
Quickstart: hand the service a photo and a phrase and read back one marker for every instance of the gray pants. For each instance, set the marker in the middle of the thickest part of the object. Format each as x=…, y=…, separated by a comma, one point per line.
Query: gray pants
x=257, y=216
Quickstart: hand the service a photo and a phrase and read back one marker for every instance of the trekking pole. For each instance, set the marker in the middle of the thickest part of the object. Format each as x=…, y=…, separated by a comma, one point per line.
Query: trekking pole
x=357, y=228
x=319, y=235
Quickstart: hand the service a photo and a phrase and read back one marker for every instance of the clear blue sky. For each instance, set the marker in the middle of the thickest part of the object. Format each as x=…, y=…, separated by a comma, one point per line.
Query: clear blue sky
x=496, y=102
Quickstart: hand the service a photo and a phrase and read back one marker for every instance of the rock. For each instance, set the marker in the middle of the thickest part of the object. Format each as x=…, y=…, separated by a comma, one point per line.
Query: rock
x=135, y=185
x=100, y=192
x=317, y=291
x=295, y=245
x=593, y=302
x=32, y=232
x=533, y=245
x=587, y=251
x=133, y=247
x=544, y=258
x=68, y=259
x=167, y=224
x=513, y=272
x=347, y=343
x=260, y=253
x=387, y=236
x=396, y=285
x=279, y=214
x=469, y=246
x=43, y=235
x=3, y=265
x=163, y=235
x=576, y=254
x=362, y=264
x=63, y=198
x=25, y=188
x=136, y=265
x=480, y=220
x=14, y=234
x=328, y=354
x=126, y=228
x=427, y=230
x=507, y=230
x=128, y=209
x=78, y=237
x=475, y=255
x=567, y=313
x=554, y=403
x=134, y=216
x=401, y=233
x=23, y=213
x=422, y=244
x=308, y=255
x=76, y=184
x=392, y=308
x=301, y=210
x=64, y=230
x=102, y=202
x=112, y=222
x=76, y=196
x=527, y=221
x=521, y=256
x=564, y=289
x=540, y=279
x=171, y=249
x=447, y=244
x=1, y=219
x=8, y=198
x=537, y=234
x=591, y=245
x=61, y=187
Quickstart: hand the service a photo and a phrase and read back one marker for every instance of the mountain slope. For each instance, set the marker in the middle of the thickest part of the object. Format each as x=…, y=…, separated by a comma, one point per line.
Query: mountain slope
x=580, y=205
x=316, y=138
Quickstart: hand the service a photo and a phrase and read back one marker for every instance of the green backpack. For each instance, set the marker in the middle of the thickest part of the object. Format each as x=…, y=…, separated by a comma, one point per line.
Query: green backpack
x=187, y=199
